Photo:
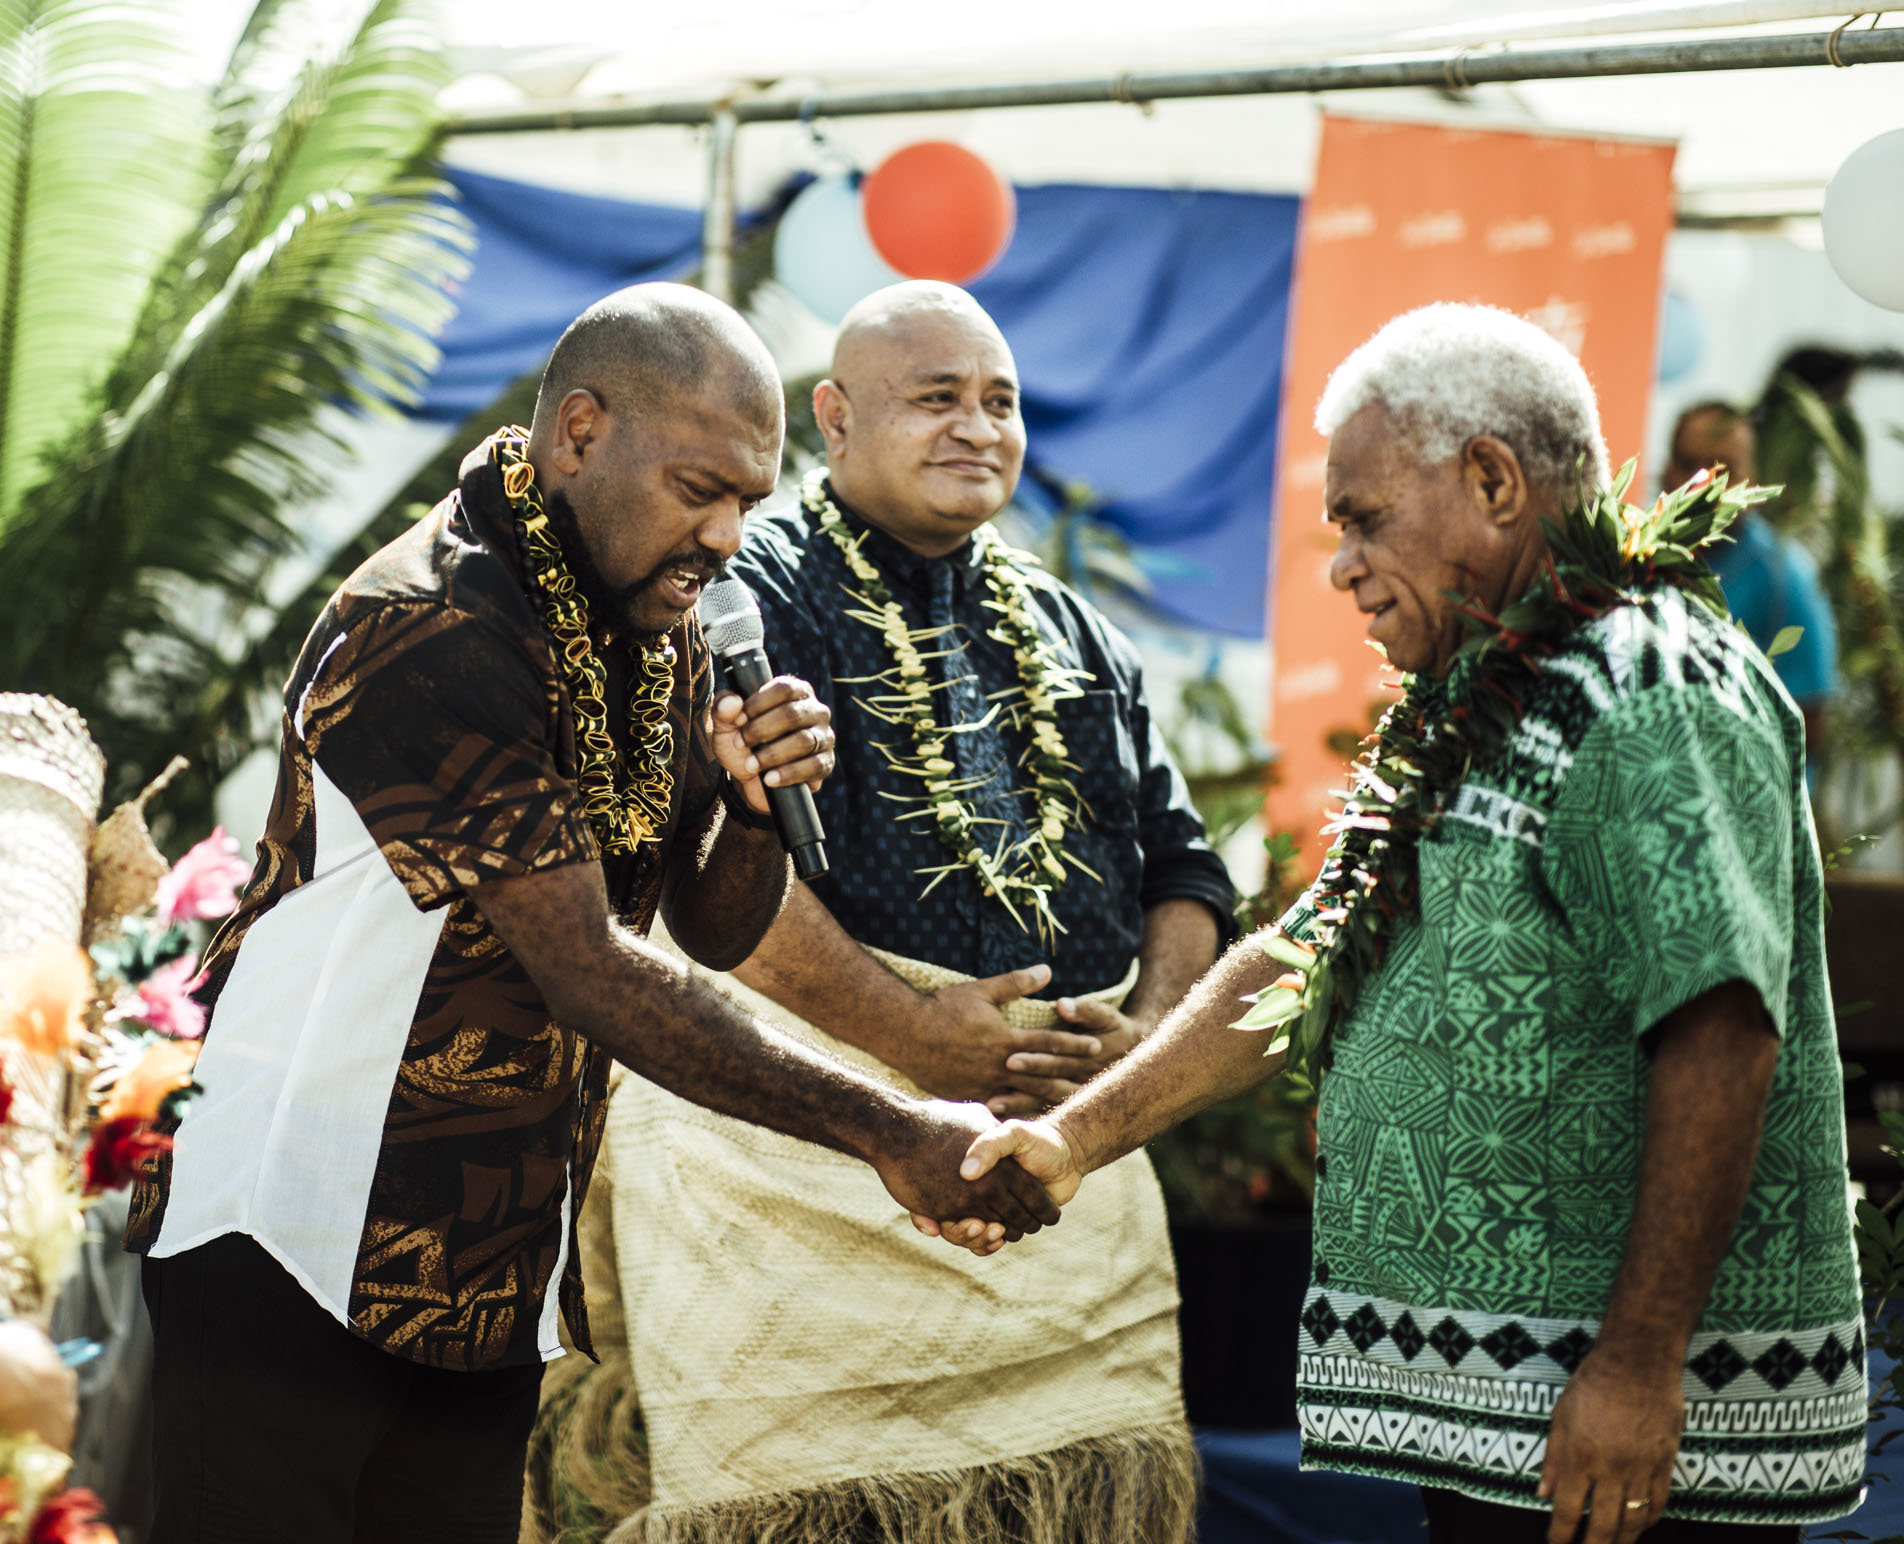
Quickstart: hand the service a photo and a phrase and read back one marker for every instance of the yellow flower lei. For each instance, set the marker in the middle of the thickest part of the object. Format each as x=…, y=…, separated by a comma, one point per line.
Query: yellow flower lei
x=1022, y=874
x=623, y=817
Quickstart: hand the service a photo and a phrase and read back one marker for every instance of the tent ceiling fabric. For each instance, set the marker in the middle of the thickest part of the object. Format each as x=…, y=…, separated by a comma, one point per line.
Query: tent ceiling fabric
x=649, y=50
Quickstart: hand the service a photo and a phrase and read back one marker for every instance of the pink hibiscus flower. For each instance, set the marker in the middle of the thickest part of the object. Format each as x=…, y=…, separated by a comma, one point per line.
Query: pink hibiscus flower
x=164, y=1001
x=203, y=885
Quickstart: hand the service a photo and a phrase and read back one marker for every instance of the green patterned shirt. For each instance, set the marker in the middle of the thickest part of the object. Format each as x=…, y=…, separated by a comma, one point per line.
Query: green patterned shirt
x=1643, y=837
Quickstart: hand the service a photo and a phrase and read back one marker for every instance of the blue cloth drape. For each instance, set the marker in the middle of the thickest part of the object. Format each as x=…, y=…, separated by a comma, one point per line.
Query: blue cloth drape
x=542, y=256
x=1148, y=327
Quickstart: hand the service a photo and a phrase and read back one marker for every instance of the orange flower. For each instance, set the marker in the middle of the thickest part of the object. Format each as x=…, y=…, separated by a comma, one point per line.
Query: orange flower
x=43, y=996
x=165, y=1068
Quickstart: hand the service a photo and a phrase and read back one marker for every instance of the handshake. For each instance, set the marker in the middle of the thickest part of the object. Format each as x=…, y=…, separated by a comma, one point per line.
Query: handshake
x=974, y=1181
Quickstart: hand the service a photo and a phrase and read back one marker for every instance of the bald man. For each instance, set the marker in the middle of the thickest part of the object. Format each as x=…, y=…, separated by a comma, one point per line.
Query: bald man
x=502, y=754
x=808, y=1366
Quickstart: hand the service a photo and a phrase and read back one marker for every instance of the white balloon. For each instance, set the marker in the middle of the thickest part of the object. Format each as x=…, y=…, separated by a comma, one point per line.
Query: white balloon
x=823, y=254
x=1864, y=221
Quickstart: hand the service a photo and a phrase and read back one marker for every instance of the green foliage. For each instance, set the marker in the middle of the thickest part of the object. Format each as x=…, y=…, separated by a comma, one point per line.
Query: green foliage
x=1817, y=449
x=309, y=270
x=98, y=168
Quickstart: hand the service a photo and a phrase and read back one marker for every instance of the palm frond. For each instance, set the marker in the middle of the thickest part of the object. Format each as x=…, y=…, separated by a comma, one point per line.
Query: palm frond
x=309, y=104
x=162, y=512
x=99, y=169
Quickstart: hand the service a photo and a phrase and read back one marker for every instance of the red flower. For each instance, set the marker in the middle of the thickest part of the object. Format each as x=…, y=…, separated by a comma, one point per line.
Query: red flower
x=118, y=1149
x=72, y=1517
x=6, y=1100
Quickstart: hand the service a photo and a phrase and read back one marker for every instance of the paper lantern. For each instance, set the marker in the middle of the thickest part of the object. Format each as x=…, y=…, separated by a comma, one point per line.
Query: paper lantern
x=1864, y=221
x=936, y=211
x=822, y=253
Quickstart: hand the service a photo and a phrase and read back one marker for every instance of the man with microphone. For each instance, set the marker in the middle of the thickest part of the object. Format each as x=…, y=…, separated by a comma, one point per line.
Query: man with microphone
x=1016, y=871
x=502, y=755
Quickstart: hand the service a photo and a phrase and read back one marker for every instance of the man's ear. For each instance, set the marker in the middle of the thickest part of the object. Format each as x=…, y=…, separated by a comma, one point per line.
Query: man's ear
x=831, y=411
x=578, y=425
x=1494, y=478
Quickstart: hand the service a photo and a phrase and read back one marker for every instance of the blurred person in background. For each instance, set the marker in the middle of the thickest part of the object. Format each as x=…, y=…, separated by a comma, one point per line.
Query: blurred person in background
x=1770, y=581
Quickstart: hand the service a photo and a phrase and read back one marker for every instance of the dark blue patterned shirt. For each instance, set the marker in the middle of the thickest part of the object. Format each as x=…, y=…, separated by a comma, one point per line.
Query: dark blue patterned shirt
x=1141, y=835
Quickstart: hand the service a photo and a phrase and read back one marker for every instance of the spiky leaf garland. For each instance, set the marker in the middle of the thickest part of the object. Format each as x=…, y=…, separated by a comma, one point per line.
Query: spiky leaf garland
x=1604, y=554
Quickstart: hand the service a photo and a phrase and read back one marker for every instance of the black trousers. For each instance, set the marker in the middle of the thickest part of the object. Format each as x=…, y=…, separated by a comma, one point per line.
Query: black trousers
x=274, y=1423
x=1458, y=1519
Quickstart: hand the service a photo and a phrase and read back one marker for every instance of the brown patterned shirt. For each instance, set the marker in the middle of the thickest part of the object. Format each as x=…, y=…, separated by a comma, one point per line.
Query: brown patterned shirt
x=388, y=1107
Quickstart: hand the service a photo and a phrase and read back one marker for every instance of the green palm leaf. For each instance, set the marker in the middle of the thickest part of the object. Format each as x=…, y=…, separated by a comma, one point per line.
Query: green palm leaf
x=99, y=164
x=152, y=536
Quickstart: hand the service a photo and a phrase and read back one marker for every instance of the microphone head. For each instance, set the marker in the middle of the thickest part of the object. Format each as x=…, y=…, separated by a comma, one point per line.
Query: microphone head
x=730, y=616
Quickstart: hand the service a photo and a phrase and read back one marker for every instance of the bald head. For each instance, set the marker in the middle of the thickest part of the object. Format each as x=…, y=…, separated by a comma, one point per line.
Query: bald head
x=657, y=429
x=923, y=432
x=900, y=316
x=643, y=346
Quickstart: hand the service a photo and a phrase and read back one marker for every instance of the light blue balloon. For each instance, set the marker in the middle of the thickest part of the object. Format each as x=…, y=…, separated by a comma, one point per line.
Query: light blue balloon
x=1682, y=338
x=823, y=254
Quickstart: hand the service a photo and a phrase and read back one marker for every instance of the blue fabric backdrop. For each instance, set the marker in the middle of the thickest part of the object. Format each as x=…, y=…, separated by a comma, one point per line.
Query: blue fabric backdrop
x=1148, y=327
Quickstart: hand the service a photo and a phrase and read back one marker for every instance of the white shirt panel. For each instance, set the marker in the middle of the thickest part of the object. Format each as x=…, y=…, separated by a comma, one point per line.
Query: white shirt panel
x=300, y=1061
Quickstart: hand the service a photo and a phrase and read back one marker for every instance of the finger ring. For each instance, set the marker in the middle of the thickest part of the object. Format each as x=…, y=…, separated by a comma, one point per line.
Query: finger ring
x=1637, y=1506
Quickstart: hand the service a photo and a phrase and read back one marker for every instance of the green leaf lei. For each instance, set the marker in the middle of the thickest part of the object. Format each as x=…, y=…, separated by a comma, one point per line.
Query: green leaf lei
x=1022, y=874
x=622, y=815
x=1601, y=556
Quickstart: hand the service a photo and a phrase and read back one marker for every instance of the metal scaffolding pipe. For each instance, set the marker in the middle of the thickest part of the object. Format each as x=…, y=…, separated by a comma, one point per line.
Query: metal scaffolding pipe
x=1450, y=71
x=717, y=220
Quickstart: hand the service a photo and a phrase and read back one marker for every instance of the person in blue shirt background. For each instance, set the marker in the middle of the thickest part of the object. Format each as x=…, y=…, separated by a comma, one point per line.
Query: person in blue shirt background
x=1770, y=581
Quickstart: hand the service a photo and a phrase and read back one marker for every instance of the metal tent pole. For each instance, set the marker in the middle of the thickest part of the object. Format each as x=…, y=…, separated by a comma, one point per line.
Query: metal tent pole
x=717, y=219
x=1453, y=71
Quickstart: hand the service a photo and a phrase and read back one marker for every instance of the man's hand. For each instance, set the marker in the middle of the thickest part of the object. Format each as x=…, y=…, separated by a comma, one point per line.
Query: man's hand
x=1039, y=1148
x=921, y=1169
x=1615, y=1433
x=782, y=736
x=966, y=1044
x=1039, y=1081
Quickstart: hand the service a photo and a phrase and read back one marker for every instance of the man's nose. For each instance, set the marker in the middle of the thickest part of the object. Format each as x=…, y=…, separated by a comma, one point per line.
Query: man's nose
x=1346, y=566
x=720, y=531
x=974, y=426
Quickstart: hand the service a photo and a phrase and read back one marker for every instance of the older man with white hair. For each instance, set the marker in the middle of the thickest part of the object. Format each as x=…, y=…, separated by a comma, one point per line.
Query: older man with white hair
x=1583, y=1265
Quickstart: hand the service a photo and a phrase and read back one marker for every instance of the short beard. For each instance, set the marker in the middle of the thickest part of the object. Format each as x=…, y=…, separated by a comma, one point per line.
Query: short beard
x=609, y=606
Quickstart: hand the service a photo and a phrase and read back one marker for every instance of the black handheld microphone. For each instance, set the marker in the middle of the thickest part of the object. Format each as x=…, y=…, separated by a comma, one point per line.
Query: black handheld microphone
x=730, y=616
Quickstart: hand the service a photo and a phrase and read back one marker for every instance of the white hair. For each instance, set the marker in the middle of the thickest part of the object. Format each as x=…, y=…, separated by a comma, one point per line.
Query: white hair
x=1447, y=373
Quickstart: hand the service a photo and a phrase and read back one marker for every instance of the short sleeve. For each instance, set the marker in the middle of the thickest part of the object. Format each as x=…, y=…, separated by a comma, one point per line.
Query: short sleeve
x=439, y=728
x=1669, y=850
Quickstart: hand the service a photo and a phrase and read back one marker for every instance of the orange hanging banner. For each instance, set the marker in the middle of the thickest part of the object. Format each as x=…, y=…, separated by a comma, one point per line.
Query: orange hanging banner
x=1570, y=232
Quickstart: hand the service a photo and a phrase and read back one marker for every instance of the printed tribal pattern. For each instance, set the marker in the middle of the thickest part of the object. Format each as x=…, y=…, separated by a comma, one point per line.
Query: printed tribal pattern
x=430, y=696
x=1642, y=838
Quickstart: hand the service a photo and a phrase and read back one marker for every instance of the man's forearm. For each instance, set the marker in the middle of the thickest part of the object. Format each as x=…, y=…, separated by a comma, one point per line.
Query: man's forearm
x=653, y=1015
x=1194, y=1060
x=1180, y=940
x=723, y=896
x=809, y=963
x=1705, y=1109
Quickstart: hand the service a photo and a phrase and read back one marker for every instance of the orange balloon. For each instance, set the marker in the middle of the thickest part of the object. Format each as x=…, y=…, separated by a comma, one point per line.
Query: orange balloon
x=936, y=211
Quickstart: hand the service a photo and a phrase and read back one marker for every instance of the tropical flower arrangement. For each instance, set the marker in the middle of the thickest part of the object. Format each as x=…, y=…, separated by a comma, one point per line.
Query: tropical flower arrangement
x=97, y=1048
x=1021, y=874
x=1602, y=555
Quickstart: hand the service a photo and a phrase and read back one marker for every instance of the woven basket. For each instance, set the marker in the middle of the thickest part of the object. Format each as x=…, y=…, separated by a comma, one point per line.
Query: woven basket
x=51, y=777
